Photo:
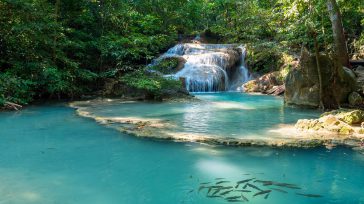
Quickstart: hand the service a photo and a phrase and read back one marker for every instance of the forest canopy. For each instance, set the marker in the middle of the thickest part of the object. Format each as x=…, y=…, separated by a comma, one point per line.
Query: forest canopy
x=67, y=48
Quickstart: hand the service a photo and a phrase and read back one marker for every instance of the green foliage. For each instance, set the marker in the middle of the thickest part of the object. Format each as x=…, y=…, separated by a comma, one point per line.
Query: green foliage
x=166, y=66
x=150, y=83
x=264, y=57
x=14, y=89
x=67, y=49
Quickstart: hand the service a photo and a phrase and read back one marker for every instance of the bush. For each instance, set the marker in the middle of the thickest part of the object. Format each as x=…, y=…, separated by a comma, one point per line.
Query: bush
x=167, y=65
x=152, y=84
x=14, y=89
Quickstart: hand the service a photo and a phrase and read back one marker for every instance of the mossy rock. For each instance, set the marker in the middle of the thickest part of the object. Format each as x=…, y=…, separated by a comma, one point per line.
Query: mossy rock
x=361, y=131
x=355, y=99
x=346, y=130
x=348, y=116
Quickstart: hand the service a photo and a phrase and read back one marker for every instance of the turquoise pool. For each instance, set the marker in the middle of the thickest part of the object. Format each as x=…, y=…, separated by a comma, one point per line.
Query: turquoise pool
x=51, y=155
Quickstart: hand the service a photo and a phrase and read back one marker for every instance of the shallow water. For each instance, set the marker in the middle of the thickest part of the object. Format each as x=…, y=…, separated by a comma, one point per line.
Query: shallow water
x=50, y=155
x=223, y=115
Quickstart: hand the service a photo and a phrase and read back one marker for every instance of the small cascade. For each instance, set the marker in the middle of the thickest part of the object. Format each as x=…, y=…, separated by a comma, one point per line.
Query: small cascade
x=210, y=67
x=242, y=74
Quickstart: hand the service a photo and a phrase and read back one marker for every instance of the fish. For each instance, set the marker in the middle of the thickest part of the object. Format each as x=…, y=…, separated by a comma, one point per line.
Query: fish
x=226, y=192
x=260, y=181
x=209, y=190
x=262, y=193
x=218, y=190
x=246, y=199
x=279, y=190
x=213, y=196
x=243, y=181
x=245, y=186
x=219, y=178
x=232, y=197
x=287, y=185
x=266, y=196
x=265, y=183
x=216, y=186
x=190, y=191
x=226, y=187
x=310, y=195
x=205, y=183
x=245, y=191
x=255, y=187
x=220, y=182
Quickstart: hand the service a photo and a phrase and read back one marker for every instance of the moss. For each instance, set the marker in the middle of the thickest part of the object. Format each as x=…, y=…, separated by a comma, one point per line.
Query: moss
x=346, y=130
x=361, y=131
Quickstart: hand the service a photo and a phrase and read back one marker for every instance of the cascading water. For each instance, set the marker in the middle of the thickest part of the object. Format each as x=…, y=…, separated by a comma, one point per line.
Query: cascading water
x=242, y=74
x=210, y=67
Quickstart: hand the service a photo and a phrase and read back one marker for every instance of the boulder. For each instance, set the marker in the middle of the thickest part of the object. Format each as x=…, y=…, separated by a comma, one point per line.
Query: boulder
x=302, y=83
x=348, y=116
x=359, y=72
x=355, y=99
x=328, y=123
x=263, y=84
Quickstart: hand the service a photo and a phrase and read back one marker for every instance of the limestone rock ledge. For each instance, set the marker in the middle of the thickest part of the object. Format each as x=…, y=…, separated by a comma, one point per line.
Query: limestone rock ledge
x=341, y=123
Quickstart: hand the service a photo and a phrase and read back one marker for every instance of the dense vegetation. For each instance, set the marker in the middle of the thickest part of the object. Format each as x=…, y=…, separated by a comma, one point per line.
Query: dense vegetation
x=67, y=48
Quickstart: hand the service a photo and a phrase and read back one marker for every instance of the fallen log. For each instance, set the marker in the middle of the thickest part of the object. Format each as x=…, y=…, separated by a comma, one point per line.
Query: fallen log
x=13, y=106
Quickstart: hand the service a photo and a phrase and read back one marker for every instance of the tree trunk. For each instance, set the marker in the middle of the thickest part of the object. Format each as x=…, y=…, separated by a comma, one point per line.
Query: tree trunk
x=317, y=54
x=338, y=31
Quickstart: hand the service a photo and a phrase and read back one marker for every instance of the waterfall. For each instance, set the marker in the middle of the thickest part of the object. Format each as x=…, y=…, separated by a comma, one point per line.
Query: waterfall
x=242, y=74
x=210, y=67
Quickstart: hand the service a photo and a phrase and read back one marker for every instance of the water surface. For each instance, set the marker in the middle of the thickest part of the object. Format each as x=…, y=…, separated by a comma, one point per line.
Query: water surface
x=50, y=155
x=222, y=115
